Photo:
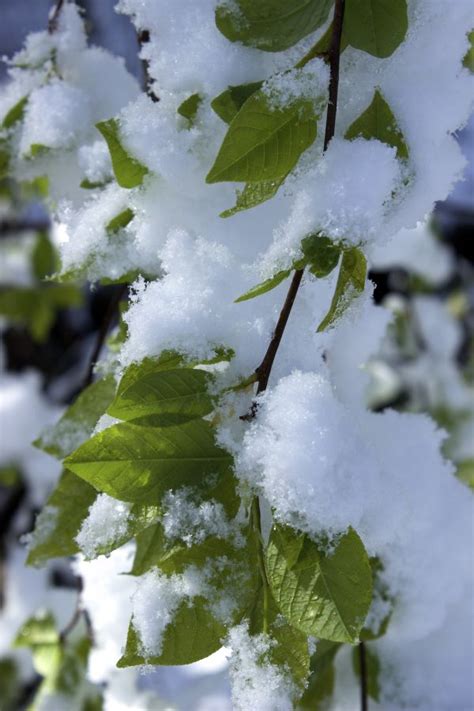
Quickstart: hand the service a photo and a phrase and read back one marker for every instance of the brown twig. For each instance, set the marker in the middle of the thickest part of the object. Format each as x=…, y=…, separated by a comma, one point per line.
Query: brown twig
x=364, y=699
x=54, y=16
x=143, y=38
x=264, y=369
x=102, y=333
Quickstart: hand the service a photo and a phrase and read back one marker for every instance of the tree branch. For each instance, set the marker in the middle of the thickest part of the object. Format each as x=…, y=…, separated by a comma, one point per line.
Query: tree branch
x=265, y=368
x=143, y=38
x=54, y=16
x=364, y=701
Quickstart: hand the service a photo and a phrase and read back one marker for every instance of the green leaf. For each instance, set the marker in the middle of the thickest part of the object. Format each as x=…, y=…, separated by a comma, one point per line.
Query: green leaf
x=465, y=472
x=321, y=254
x=129, y=172
x=264, y=142
x=44, y=257
x=265, y=286
x=321, y=682
x=350, y=283
x=254, y=194
x=228, y=104
x=89, y=185
x=192, y=635
x=378, y=121
x=376, y=26
x=37, y=150
x=35, y=189
x=10, y=684
x=140, y=464
x=270, y=25
x=15, y=114
x=37, y=631
x=79, y=420
x=4, y=158
x=189, y=108
x=372, y=670
x=59, y=522
x=9, y=476
x=120, y=221
x=325, y=594
x=36, y=307
x=468, y=60
x=183, y=392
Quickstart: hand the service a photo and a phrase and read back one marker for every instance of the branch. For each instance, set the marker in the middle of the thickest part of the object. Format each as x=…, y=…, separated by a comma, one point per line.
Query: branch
x=265, y=368
x=143, y=38
x=54, y=15
x=102, y=333
x=364, y=701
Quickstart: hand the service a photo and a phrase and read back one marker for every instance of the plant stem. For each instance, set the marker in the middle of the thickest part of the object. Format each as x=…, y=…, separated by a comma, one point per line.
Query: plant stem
x=143, y=38
x=364, y=700
x=54, y=17
x=264, y=369
x=102, y=333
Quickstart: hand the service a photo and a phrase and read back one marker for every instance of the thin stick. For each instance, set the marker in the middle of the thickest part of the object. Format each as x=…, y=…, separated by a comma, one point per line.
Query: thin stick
x=102, y=333
x=364, y=700
x=53, y=21
x=143, y=38
x=265, y=368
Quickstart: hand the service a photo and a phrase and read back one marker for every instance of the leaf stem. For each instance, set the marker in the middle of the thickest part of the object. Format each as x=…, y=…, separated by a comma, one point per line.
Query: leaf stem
x=143, y=38
x=364, y=701
x=264, y=369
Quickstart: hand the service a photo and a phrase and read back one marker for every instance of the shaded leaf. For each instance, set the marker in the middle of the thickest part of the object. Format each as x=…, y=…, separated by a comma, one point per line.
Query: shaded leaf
x=378, y=121
x=129, y=172
x=15, y=114
x=254, y=194
x=321, y=254
x=323, y=594
x=230, y=101
x=376, y=26
x=189, y=108
x=120, y=221
x=350, y=283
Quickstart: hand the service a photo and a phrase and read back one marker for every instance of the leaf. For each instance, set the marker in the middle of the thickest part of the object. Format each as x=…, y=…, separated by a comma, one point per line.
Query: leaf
x=192, y=635
x=59, y=522
x=228, y=104
x=468, y=60
x=79, y=420
x=323, y=594
x=44, y=258
x=270, y=25
x=265, y=286
x=180, y=391
x=10, y=684
x=378, y=121
x=37, y=150
x=254, y=194
x=15, y=114
x=264, y=142
x=36, y=307
x=350, y=283
x=372, y=665
x=189, y=108
x=321, y=48
x=376, y=26
x=129, y=172
x=120, y=221
x=89, y=185
x=321, y=682
x=140, y=464
x=321, y=254
x=4, y=158
x=465, y=472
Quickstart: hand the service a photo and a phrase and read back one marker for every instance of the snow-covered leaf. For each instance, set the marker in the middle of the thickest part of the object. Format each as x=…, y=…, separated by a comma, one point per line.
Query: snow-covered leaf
x=378, y=121
x=228, y=104
x=350, y=283
x=129, y=172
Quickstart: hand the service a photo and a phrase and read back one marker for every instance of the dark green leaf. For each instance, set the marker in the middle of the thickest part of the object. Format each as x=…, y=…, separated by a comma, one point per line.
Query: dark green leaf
x=140, y=464
x=323, y=594
x=129, y=172
x=189, y=108
x=271, y=25
x=350, y=283
x=321, y=254
x=44, y=258
x=89, y=185
x=229, y=103
x=468, y=60
x=264, y=142
x=378, y=121
x=321, y=682
x=376, y=26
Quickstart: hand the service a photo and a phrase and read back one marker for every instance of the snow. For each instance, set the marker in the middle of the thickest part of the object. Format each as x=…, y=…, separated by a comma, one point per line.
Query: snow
x=107, y=522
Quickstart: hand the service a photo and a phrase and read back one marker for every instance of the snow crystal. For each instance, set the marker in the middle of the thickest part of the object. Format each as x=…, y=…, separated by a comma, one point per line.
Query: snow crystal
x=256, y=682
x=106, y=522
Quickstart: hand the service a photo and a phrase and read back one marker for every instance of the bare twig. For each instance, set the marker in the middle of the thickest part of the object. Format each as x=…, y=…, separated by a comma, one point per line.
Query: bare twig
x=264, y=369
x=103, y=331
x=54, y=16
x=364, y=701
x=143, y=38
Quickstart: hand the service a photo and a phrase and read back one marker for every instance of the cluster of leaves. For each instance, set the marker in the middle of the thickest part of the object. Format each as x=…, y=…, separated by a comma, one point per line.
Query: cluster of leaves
x=292, y=588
